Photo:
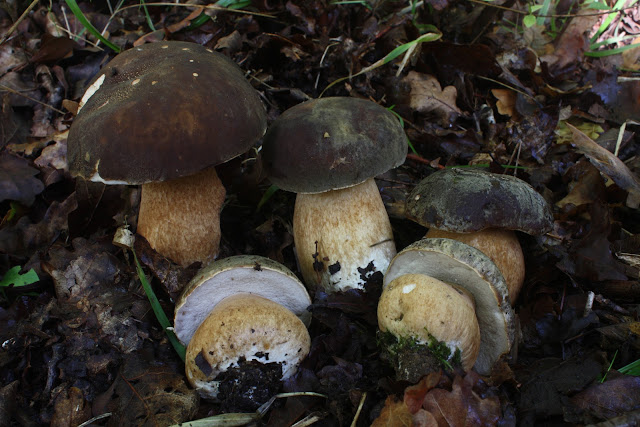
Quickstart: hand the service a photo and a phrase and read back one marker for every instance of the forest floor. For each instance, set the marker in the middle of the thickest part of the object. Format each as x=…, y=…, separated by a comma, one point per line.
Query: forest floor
x=547, y=101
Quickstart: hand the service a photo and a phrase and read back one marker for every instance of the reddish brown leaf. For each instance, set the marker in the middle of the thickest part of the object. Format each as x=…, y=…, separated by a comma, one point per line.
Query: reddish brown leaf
x=394, y=414
x=462, y=406
x=414, y=395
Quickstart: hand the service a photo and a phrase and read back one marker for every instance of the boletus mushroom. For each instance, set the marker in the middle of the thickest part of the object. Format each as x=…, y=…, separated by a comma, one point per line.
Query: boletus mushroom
x=463, y=266
x=250, y=274
x=243, y=320
x=328, y=150
x=484, y=210
x=162, y=115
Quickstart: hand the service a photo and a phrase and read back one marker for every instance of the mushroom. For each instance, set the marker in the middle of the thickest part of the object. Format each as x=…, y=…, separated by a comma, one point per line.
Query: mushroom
x=249, y=274
x=433, y=323
x=241, y=329
x=162, y=115
x=482, y=209
x=456, y=263
x=238, y=313
x=328, y=150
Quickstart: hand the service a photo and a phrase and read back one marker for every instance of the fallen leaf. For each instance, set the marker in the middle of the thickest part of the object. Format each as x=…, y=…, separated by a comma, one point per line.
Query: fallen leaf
x=54, y=155
x=462, y=406
x=612, y=398
x=506, y=101
x=147, y=394
x=609, y=165
x=570, y=46
x=53, y=49
x=414, y=395
x=70, y=408
x=17, y=180
x=427, y=96
x=394, y=414
x=631, y=57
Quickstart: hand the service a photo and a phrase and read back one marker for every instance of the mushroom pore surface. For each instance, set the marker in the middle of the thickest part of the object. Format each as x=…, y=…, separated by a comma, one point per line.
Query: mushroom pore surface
x=249, y=274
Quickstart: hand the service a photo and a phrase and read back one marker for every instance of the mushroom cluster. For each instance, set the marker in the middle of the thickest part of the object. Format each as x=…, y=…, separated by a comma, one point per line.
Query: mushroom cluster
x=243, y=314
x=162, y=115
x=328, y=150
x=471, y=258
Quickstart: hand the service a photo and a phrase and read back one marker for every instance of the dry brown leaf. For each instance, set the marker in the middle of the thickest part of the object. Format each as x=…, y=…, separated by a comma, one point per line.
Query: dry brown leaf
x=427, y=96
x=609, y=165
x=394, y=414
x=17, y=180
x=506, y=101
x=70, y=408
x=571, y=45
x=631, y=57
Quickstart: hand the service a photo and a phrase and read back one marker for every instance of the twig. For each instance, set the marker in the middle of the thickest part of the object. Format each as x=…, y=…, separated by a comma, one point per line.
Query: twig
x=15, y=24
x=8, y=89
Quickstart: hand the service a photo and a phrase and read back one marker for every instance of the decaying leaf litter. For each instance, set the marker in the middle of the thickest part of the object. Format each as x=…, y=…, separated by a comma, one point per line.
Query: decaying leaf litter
x=541, y=101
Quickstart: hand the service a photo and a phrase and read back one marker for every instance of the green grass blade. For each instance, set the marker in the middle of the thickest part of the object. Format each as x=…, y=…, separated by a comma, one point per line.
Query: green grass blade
x=428, y=37
x=266, y=196
x=632, y=368
x=147, y=16
x=609, y=52
x=157, y=309
x=89, y=27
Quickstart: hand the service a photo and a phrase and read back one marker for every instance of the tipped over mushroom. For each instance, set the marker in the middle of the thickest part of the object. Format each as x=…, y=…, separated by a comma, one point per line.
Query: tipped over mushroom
x=162, y=115
x=482, y=209
x=242, y=329
x=328, y=150
x=239, y=314
x=461, y=265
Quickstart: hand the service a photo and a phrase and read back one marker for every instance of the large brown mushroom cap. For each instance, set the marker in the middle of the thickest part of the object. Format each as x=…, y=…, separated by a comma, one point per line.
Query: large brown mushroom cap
x=467, y=200
x=332, y=143
x=161, y=111
x=244, y=327
x=418, y=306
x=248, y=274
x=459, y=264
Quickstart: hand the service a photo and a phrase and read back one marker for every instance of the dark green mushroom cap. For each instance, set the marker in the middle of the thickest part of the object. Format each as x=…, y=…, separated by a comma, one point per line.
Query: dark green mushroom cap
x=331, y=143
x=161, y=111
x=468, y=200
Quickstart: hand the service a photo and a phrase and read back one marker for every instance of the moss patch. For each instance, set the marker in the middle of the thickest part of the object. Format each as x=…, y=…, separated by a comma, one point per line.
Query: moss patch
x=412, y=359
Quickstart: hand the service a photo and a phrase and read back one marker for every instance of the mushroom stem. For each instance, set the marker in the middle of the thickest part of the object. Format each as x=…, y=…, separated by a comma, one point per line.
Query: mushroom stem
x=338, y=232
x=181, y=217
x=501, y=246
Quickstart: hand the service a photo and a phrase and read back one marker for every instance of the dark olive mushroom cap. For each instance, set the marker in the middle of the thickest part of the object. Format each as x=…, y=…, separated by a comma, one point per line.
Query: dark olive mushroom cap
x=164, y=110
x=331, y=143
x=467, y=200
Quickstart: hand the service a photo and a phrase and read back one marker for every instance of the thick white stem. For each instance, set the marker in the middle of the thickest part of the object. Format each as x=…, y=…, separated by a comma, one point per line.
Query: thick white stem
x=340, y=231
